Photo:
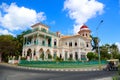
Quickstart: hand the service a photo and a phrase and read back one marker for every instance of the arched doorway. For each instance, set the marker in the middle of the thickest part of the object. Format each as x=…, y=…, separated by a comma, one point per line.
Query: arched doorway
x=48, y=55
x=70, y=56
x=29, y=54
x=76, y=56
x=49, y=42
x=41, y=53
x=60, y=56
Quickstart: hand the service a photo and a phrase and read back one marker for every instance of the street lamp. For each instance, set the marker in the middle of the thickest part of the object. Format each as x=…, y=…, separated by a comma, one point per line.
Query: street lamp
x=98, y=44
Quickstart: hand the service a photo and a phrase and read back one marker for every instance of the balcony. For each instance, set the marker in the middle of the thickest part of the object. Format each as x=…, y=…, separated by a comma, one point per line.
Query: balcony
x=37, y=44
x=42, y=30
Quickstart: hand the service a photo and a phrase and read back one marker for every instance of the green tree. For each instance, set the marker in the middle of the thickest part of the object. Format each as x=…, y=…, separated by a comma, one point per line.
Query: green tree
x=104, y=52
x=94, y=43
x=91, y=56
x=7, y=46
x=114, y=51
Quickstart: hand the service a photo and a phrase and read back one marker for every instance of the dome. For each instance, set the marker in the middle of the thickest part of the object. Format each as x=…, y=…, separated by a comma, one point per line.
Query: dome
x=84, y=27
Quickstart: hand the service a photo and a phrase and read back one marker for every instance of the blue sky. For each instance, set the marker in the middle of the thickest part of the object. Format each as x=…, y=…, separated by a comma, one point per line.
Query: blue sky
x=65, y=16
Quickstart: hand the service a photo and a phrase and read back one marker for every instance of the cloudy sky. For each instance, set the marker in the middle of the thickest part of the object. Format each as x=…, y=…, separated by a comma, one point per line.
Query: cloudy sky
x=65, y=16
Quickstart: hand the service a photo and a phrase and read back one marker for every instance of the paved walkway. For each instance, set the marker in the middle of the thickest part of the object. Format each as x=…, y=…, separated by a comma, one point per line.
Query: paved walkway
x=57, y=69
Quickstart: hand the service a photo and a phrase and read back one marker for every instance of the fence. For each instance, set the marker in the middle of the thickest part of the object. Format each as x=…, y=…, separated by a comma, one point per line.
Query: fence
x=63, y=64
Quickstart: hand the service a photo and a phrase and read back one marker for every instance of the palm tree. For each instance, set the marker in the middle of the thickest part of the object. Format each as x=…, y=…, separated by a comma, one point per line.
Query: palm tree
x=94, y=43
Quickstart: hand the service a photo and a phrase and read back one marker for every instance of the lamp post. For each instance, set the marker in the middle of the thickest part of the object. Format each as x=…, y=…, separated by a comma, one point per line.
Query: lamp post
x=98, y=44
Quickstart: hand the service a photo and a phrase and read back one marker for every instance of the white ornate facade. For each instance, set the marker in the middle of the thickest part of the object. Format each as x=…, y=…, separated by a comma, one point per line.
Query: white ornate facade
x=39, y=43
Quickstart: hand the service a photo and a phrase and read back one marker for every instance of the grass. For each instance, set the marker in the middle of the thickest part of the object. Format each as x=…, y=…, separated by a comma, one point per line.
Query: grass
x=59, y=65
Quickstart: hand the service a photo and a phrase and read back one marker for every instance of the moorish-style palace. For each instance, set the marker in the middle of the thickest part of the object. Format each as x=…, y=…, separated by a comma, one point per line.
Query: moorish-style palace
x=41, y=44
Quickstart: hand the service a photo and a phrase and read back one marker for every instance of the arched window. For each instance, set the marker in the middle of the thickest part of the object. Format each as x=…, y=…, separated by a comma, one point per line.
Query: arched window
x=87, y=45
x=43, y=43
x=55, y=42
x=70, y=44
x=83, y=34
x=75, y=43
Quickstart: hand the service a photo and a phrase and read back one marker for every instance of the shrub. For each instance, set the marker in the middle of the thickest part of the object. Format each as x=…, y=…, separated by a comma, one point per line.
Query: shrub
x=23, y=58
x=49, y=56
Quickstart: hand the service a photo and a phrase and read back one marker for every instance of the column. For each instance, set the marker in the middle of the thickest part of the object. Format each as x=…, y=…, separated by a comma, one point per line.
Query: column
x=73, y=53
x=79, y=55
x=78, y=42
x=52, y=42
x=33, y=40
x=44, y=40
x=37, y=54
x=68, y=55
x=26, y=40
x=23, y=53
x=32, y=52
x=63, y=54
x=73, y=45
x=37, y=39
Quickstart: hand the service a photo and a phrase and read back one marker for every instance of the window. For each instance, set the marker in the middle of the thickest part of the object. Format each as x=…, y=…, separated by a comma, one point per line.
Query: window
x=87, y=45
x=55, y=41
x=43, y=42
x=70, y=44
x=75, y=43
x=83, y=34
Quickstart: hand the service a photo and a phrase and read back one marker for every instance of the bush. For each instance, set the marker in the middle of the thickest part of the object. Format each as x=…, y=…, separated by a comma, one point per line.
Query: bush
x=70, y=59
x=42, y=56
x=91, y=56
x=49, y=56
x=23, y=58
x=59, y=59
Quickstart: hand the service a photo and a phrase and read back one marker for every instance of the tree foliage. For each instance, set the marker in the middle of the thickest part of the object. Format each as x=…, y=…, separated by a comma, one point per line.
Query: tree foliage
x=94, y=43
x=108, y=51
x=8, y=46
x=92, y=56
x=11, y=46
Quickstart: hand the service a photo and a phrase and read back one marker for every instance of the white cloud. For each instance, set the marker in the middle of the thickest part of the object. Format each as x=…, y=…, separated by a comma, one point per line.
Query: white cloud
x=118, y=44
x=16, y=18
x=4, y=32
x=82, y=10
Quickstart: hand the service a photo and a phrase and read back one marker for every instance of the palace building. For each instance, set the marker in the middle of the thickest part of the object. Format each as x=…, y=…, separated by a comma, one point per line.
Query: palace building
x=41, y=44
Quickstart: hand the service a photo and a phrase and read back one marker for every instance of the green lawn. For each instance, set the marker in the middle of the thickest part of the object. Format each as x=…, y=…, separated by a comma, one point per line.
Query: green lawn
x=59, y=65
x=63, y=64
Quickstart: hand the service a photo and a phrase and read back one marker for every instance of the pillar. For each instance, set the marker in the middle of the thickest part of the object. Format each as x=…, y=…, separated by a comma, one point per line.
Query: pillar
x=73, y=53
x=79, y=55
x=44, y=40
x=32, y=52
